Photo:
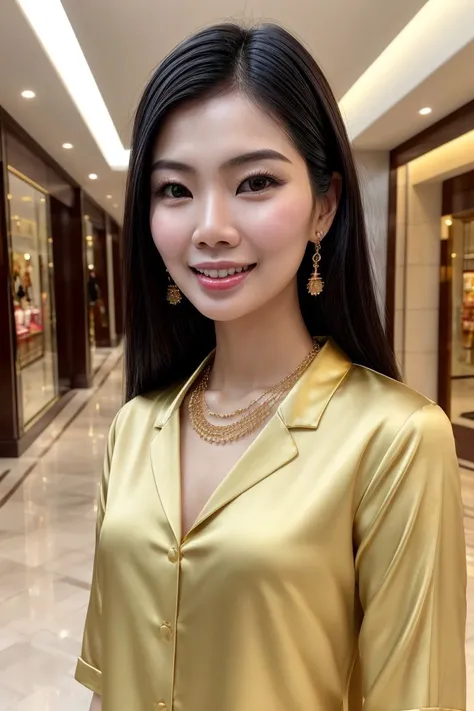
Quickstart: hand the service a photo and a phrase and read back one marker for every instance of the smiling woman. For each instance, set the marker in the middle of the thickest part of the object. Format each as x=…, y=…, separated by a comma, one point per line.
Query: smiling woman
x=315, y=558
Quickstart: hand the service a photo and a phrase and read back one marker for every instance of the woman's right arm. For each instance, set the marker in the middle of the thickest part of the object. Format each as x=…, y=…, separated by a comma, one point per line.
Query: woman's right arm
x=96, y=704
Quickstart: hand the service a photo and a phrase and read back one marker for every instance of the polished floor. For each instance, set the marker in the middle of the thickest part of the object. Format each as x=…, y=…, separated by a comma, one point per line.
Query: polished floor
x=39, y=381
x=47, y=520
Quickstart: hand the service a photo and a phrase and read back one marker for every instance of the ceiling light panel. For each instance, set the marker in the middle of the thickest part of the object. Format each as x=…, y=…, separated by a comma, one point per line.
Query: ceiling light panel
x=51, y=25
x=434, y=35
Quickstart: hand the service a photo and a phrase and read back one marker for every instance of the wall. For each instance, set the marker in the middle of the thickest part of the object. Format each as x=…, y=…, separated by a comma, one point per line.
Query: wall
x=417, y=281
x=447, y=161
x=373, y=170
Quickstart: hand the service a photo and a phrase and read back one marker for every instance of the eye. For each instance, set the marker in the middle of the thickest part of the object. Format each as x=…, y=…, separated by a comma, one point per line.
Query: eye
x=257, y=184
x=176, y=191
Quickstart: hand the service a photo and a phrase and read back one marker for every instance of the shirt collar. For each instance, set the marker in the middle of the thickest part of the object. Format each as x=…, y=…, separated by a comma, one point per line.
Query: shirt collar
x=305, y=403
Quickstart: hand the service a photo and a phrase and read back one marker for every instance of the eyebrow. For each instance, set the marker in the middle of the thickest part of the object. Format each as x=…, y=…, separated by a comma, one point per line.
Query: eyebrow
x=237, y=161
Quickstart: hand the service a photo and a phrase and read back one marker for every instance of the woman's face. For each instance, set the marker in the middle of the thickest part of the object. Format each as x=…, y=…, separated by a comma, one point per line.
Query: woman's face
x=232, y=209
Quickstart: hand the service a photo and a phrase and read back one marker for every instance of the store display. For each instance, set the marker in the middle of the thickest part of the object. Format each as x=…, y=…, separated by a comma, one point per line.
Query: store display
x=468, y=311
x=28, y=319
x=32, y=296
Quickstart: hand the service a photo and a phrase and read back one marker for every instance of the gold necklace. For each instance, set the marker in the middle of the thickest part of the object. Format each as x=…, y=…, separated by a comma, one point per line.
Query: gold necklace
x=251, y=417
x=240, y=410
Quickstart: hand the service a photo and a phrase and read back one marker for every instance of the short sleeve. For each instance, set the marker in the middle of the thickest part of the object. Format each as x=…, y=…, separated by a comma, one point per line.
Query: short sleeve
x=89, y=664
x=411, y=572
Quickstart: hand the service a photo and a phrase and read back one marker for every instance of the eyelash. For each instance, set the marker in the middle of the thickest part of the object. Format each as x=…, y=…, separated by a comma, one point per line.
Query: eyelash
x=268, y=175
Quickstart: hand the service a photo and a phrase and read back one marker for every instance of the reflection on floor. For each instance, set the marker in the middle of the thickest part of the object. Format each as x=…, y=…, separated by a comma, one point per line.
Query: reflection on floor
x=38, y=385
x=46, y=546
x=462, y=400
x=99, y=356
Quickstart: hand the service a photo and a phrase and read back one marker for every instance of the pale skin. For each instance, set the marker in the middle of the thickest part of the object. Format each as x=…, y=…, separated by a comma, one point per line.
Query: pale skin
x=212, y=200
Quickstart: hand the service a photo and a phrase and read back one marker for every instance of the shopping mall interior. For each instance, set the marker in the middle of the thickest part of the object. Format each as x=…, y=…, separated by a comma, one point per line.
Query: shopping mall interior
x=71, y=75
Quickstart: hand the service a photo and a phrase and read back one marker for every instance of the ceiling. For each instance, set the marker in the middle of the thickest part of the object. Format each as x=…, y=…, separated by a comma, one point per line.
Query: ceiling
x=124, y=41
x=446, y=90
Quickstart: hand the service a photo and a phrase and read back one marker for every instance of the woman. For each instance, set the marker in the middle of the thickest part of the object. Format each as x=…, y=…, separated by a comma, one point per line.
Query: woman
x=280, y=522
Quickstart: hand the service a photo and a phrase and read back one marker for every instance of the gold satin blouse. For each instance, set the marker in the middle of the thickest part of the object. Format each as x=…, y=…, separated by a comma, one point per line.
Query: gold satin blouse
x=329, y=565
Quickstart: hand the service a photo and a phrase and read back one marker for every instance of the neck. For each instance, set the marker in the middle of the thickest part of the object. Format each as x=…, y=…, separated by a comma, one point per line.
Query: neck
x=261, y=349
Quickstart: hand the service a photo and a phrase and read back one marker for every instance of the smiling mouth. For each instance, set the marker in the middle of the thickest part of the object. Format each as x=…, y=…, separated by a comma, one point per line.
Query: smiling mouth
x=223, y=273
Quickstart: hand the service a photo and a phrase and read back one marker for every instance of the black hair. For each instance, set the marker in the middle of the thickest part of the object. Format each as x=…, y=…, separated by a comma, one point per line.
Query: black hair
x=164, y=344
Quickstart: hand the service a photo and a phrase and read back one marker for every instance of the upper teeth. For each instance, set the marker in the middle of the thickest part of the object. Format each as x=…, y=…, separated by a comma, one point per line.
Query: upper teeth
x=221, y=273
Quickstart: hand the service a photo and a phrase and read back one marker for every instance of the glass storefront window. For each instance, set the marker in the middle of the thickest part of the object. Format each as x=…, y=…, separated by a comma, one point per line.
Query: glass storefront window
x=98, y=319
x=463, y=298
x=33, y=297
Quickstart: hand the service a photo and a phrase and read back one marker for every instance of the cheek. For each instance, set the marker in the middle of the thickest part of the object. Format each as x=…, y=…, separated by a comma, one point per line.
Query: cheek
x=283, y=223
x=168, y=229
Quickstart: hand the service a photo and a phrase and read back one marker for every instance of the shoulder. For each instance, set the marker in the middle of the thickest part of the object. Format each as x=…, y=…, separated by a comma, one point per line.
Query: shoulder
x=392, y=403
x=399, y=429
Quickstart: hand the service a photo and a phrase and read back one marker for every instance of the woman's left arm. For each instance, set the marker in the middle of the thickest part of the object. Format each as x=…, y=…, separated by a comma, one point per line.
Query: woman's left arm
x=411, y=572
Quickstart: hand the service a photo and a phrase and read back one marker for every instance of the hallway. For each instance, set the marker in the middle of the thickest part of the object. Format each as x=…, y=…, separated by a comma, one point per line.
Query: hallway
x=47, y=522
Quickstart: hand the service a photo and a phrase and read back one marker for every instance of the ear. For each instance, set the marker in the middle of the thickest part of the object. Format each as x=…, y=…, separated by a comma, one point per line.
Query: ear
x=327, y=207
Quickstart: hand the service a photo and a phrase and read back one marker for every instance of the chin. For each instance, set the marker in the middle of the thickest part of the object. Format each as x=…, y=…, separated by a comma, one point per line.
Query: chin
x=227, y=310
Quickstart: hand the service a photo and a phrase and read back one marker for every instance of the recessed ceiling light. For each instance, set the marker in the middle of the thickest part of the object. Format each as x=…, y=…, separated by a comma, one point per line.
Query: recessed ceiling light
x=28, y=94
x=425, y=111
x=109, y=197
x=93, y=176
x=67, y=146
x=53, y=29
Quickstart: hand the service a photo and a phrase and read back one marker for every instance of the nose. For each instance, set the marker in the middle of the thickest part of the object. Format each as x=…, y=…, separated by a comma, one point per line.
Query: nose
x=215, y=227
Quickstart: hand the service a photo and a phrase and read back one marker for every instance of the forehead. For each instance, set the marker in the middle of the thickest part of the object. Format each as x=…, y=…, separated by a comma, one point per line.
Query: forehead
x=228, y=124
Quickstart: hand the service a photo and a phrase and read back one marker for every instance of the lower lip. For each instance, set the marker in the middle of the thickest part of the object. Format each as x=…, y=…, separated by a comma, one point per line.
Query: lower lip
x=222, y=283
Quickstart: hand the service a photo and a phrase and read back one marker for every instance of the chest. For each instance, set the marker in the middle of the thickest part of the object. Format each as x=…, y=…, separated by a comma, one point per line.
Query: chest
x=204, y=467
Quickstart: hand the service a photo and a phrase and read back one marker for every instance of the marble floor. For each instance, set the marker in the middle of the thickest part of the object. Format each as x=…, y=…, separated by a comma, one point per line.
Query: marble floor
x=39, y=381
x=47, y=521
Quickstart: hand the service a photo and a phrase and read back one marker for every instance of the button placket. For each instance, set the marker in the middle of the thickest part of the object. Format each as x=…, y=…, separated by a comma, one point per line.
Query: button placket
x=166, y=630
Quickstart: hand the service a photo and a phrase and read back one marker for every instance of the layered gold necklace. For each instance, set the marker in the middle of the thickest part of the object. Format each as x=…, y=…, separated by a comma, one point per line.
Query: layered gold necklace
x=246, y=419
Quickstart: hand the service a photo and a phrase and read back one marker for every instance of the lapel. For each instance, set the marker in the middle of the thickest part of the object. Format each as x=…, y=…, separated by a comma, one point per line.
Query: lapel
x=165, y=462
x=165, y=451
x=272, y=449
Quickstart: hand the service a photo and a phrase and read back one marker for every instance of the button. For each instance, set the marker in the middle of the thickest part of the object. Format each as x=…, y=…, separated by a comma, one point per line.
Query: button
x=173, y=555
x=166, y=632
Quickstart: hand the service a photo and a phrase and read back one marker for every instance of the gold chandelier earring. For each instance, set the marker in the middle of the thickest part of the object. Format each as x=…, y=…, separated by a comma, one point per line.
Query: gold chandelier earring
x=315, y=282
x=173, y=294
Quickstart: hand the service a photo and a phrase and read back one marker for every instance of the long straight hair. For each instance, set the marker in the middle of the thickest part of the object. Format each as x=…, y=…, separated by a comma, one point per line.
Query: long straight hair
x=164, y=344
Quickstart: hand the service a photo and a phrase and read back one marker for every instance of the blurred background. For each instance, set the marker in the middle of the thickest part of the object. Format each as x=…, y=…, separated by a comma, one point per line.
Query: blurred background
x=71, y=74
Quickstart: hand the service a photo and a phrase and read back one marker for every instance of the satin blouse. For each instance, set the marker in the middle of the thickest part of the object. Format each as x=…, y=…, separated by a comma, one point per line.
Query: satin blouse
x=328, y=567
